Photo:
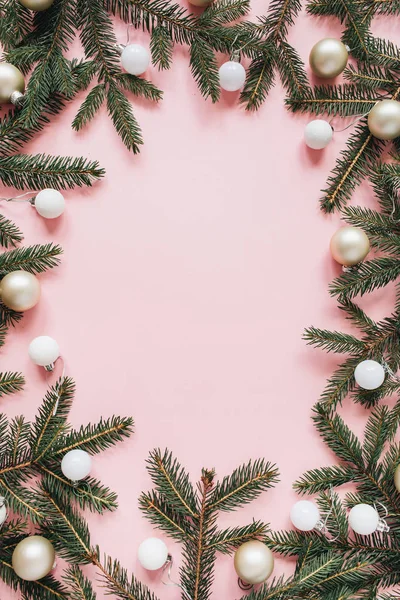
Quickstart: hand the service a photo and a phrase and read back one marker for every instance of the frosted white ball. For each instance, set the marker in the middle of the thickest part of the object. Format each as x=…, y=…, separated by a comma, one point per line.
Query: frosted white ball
x=304, y=515
x=152, y=554
x=318, y=134
x=44, y=351
x=369, y=374
x=232, y=76
x=50, y=204
x=363, y=519
x=135, y=59
x=76, y=464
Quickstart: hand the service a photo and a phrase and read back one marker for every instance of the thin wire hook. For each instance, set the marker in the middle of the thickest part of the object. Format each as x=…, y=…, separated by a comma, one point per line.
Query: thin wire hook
x=170, y=582
x=19, y=198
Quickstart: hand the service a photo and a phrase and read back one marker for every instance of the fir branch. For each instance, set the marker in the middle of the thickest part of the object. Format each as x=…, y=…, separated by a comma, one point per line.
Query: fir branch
x=96, y=438
x=228, y=540
x=161, y=47
x=204, y=69
x=362, y=150
x=340, y=100
x=81, y=588
x=172, y=482
x=259, y=81
x=10, y=234
x=34, y=259
x=41, y=171
x=123, y=118
x=90, y=106
x=11, y=383
x=370, y=275
x=244, y=485
x=333, y=341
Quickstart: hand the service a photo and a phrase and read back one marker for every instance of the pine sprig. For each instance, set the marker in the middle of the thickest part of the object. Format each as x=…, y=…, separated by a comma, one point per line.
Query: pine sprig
x=11, y=383
x=34, y=259
x=41, y=171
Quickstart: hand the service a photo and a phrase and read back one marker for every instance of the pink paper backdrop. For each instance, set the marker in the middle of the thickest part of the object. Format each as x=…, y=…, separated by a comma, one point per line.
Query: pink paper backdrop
x=188, y=277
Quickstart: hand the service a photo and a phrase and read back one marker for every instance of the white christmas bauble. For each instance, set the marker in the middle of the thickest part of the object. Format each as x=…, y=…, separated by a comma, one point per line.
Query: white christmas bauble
x=3, y=510
x=44, y=351
x=152, y=554
x=304, y=515
x=369, y=374
x=318, y=134
x=135, y=59
x=232, y=76
x=76, y=464
x=363, y=519
x=50, y=204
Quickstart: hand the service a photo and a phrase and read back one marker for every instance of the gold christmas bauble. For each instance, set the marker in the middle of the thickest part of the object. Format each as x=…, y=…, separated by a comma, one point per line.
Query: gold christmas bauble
x=11, y=80
x=397, y=478
x=33, y=558
x=37, y=5
x=384, y=119
x=201, y=3
x=20, y=290
x=328, y=58
x=349, y=245
x=254, y=562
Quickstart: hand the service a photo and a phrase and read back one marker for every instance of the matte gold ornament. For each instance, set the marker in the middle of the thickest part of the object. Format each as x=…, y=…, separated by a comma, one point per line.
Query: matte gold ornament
x=33, y=558
x=397, y=478
x=349, y=245
x=37, y=5
x=384, y=119
x=254, y=562
x=328, y=58
x=20, y=290
x=11, y=83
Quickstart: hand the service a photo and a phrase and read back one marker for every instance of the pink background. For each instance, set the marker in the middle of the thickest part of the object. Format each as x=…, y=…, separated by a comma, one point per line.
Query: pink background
x=188, y=277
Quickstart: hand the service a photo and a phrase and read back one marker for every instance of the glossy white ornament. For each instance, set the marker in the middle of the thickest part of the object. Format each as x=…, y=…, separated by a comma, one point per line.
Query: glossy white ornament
x=44, y=351
x=254, y=562
x=304, y=515
x=152, y=554
x=49, y=203
x=135, y=59
x=76, y=464
x=318, y=134
x=363, y=519
x=232, y=76
x=369, y=374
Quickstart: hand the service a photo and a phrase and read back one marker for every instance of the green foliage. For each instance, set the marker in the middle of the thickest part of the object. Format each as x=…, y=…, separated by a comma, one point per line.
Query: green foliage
x=36, y=490
x=189, y=515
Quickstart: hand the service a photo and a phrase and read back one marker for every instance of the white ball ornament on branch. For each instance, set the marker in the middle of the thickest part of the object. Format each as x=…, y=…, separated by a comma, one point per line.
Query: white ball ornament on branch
x=365, y=520
x=44, y=351
x=254, y=563
x=305, y=516
x=33, y=558
x=232, y=76
x=19, y=291
x=369, y=374
x=349, y=246
x=318, y=134
x=135, y=59
x=76, y=464
x=328, y=58
x=384, y=120
x=152, y=554
x=12, y=84
x=49, y=203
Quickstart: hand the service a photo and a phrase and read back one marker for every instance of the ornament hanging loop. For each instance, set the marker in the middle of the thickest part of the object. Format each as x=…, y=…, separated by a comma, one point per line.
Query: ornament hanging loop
x=21, y=198
x=170, y=582
x=382, y=524
x=244, y=586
